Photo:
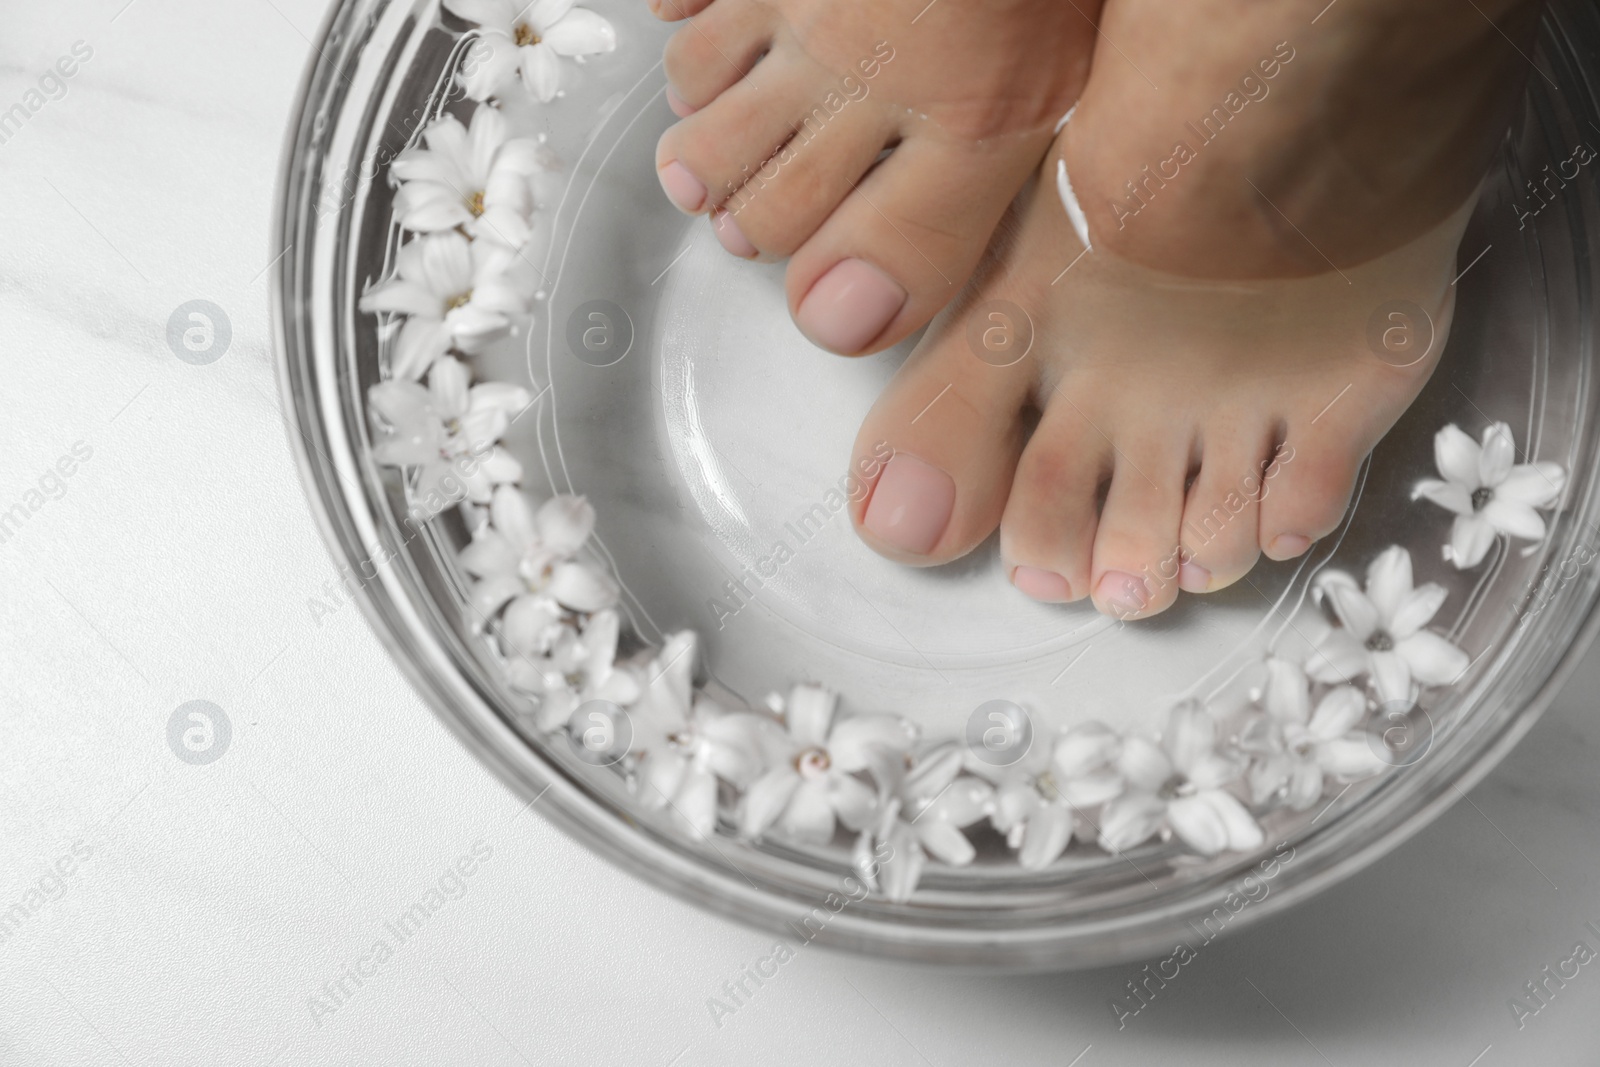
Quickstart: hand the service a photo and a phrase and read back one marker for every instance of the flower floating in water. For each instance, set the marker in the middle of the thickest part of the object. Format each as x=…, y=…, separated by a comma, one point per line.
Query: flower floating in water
x=1297, y=750
x=478, y=179
x=455, y=293
x=527, y=40
x=814, y=781
x=1178, y=786
x=1489, y=493
x=525, y=561
x=450, y=431
x=1381, y=633
x=925, y=808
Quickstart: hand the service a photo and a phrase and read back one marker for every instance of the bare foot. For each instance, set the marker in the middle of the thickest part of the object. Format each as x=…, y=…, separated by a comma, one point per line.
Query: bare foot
x=1203, y=391
x=876, y=143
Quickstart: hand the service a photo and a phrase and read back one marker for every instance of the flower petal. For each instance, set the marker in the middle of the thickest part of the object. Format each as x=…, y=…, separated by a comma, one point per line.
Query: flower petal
x=582, y=587
x=1498, y=455
x=1391, y=675
x=1534, y=484
x=1198, y=824
x=1045, y=836
x=1287, y=694
x=581, y=33
x=541, y=71
x=1144, y=763
x=1388, y=583
x=853, y=741
x=1086, y=747
x=1338, y=657
x=809, y=714
x=1190, y=734
x=1416, y=610
x=1432, y=659
x=564, y=523
x=1339, y=710
x=1456, y=455
x=1452, y=495
x=1471, y=537
x=901, y=869
x=1130, y=820
x=853, y=800
x=1518, y=520
x=947, y=843
x=766, y=799
x=1089, y=790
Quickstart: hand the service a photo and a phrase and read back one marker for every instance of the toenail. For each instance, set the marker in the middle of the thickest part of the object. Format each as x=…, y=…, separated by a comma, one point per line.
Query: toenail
x=1124, y=594
x=682, y=187
x=1288, y=546
x=732, y=238
x=910, y=505
x=679, y=106
x=1193, y=578
x=849, y=306
x=1047, y=586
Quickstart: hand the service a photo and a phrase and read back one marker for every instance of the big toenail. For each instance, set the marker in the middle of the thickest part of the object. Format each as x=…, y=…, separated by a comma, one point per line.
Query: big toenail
x=732, y=238
x=679, y=106
x=1124, y=594
x=849, y=306
x=1193, y=578
x=1044, y=585
x=682, y=187
x=1288, y=546
x=910, y=505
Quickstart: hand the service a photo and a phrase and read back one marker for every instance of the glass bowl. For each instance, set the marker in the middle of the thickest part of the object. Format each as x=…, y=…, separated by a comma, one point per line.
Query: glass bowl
x=704, y=429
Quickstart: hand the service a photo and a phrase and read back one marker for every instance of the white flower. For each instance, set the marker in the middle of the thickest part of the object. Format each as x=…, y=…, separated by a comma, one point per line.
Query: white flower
x=684, y=742
x=527, y=39
x=924, y=811
x=1488, y=493
x=450, y=432
x=1297, y=751
x=524, y=562
x=579, y=667
x=479, y=180
x=1039, y=800
x=1177, y=786
x=813, y=782
x=1382, y=631
x=455, y=293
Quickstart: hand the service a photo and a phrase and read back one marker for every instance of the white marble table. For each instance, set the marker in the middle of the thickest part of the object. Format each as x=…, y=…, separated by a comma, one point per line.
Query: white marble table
x=209, y=907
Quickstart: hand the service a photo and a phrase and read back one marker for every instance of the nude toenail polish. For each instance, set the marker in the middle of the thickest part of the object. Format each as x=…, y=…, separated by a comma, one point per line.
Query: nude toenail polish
x=679, y=106
x=911, y=504
x=1193, y=578
x=1043, y=585
x=682, y=187
x=849, y=306
x=732, y=238
x=1124, y=594
x=1288, y=546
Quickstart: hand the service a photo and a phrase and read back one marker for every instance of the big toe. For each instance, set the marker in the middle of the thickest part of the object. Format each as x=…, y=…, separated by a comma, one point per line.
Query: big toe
x=938, y=451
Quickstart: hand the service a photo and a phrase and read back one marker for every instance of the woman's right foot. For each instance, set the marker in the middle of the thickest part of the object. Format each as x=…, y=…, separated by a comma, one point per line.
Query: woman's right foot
x=1207, y=380
x=876, y=143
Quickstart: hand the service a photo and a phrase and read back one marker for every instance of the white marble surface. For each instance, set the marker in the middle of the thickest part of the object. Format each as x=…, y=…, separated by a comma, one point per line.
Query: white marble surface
x=216, y=900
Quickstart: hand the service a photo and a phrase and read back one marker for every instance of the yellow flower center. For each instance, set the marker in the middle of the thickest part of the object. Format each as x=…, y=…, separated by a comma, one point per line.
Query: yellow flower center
x=475, y=204
x=526, y=35
x=458, y=301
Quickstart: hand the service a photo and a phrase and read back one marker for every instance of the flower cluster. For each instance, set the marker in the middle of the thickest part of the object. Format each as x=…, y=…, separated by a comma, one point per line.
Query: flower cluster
x=800, y=768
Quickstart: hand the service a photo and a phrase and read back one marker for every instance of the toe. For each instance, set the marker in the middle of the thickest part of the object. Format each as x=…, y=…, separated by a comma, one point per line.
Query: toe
x=1221, y=515
x=935, y=457
x=717, y=50
x=784, y=201
x=702, y=160
x=897, y=249
x=1137, y=556
x=1308, y=487
x=1047, y=534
